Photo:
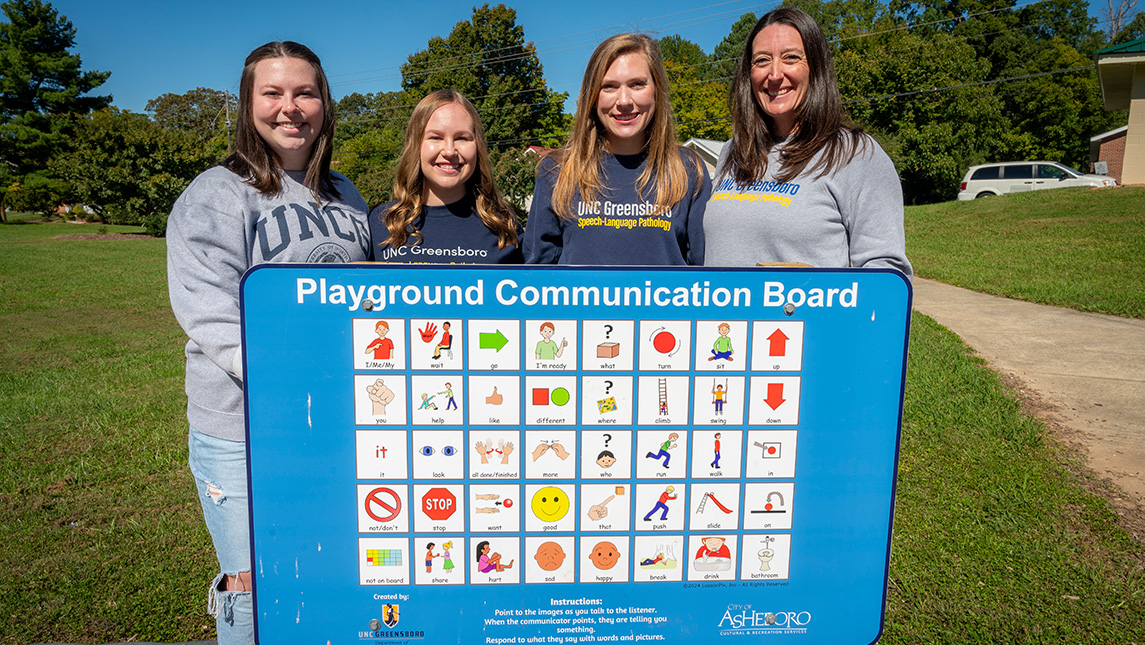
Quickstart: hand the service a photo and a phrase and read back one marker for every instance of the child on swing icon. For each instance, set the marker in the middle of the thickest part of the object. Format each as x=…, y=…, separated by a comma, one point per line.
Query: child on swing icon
x=719, y=396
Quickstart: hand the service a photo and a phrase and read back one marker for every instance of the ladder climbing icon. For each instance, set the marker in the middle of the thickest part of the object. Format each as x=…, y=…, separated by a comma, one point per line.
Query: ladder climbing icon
x=663, y=397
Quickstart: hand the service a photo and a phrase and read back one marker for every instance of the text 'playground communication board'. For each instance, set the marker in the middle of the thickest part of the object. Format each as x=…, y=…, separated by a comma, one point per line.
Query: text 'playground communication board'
x=444, y=454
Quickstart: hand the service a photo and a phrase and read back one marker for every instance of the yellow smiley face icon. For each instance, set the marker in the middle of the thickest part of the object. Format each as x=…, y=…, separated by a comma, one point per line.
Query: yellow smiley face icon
x=550, y=504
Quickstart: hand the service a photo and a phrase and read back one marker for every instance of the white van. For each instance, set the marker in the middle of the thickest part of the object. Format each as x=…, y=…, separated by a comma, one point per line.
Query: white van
x=1019, y=176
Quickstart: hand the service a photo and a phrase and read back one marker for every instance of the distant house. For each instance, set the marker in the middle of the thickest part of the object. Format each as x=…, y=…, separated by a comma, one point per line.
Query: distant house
x=708, y=150
x=1121, y=71
x=1108, y=148
x=540, y=151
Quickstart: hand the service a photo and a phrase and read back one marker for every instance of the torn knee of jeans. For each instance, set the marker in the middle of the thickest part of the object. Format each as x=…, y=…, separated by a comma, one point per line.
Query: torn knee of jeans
x=238, y=582
x=220, y=600
x=215, y=492
x=213, y=594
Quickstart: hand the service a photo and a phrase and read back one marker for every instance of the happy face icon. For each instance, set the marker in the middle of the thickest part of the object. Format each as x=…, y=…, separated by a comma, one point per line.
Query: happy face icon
x=550, y=507
x=604, y=555
x=550, y=504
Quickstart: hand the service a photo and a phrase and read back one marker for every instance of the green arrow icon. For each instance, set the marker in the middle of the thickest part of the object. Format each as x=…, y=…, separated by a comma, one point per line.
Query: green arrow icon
x=495, y=340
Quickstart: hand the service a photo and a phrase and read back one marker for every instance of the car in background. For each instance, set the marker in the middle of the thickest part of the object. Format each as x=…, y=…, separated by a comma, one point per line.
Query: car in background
x=988, y=180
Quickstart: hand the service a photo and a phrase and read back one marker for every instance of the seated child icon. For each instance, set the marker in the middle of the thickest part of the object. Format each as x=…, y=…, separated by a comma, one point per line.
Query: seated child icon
x=722, y=348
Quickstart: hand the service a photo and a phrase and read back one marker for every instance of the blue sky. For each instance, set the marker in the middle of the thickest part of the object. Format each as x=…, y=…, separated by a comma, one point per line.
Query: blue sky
x=152, y=47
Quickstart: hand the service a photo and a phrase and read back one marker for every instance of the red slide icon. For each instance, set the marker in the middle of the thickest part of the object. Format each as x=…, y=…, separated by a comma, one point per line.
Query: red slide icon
x=717, y=503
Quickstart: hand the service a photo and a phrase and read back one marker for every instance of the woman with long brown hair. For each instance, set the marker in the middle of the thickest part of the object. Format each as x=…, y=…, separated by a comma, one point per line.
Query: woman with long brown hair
x=796, y=183
x=274, y=199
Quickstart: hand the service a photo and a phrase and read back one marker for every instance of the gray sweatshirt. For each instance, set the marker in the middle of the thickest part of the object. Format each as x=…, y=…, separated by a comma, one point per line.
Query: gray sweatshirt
x=219, y=228
x=851, y=217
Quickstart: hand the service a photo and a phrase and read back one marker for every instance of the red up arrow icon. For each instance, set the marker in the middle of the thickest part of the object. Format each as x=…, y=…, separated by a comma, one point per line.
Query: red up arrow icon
x=778, y=343
x=774, y=395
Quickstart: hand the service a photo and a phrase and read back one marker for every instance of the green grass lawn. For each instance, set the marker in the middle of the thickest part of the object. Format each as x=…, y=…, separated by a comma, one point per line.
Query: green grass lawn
x=101, y=539
x=1073, y=247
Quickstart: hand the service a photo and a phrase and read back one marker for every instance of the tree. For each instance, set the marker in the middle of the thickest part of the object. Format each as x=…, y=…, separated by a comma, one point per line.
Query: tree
x=885, y=79
x=516, y=172
x=945, y=84
x=368, y=140
x=699, y=97
x=700, y=105
x=683, y=51
x=1060, y=112
x=726, y=55
x=1132, y=31
x=487, y=59
x=202, y=111
x=40, y=81
x=130, y=170
x=687, y=54
x=1116, y=12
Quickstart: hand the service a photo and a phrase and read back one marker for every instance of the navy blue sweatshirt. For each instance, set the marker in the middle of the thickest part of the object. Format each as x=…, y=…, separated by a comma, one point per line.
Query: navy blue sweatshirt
x=622, y=227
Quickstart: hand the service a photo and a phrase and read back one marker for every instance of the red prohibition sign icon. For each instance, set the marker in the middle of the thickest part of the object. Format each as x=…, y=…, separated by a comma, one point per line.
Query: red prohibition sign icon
x=387, y=501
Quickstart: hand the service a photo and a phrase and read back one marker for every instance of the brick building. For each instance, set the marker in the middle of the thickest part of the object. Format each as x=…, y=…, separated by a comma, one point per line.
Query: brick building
x=1121, y=71
x=1108, y=147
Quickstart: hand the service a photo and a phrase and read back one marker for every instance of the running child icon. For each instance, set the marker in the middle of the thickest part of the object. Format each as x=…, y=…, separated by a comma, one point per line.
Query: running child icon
x=664, y=448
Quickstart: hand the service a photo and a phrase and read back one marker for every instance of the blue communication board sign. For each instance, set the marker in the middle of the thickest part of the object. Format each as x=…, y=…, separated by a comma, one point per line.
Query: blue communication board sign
x=571, y=455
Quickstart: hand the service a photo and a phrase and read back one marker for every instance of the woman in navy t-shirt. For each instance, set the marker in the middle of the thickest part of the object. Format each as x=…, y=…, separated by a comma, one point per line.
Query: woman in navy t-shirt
x=447, y=209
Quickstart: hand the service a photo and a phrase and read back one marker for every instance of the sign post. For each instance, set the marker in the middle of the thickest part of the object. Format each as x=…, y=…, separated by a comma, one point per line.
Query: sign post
x=572, y=455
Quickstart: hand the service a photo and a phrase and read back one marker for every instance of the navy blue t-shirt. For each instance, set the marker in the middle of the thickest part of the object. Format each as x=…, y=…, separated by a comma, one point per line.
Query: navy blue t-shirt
x=622, y=227
x=450, y=234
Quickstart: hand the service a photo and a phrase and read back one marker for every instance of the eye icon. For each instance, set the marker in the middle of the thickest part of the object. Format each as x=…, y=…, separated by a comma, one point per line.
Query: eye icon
x=448, y=451
x=426, y=451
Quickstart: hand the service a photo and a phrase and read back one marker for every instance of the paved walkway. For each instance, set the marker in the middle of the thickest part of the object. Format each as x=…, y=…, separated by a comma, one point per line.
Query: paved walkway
x=1091, y=366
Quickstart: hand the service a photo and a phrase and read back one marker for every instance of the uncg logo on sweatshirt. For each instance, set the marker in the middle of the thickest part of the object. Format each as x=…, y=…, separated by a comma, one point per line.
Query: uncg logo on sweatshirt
x=757, y=191
x=297, y=223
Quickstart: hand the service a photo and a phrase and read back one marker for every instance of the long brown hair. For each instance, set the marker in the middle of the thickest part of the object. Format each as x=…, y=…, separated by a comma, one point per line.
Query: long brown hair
x=251, y=157
x=409, y=184
x=579, y=162
x=820, y=125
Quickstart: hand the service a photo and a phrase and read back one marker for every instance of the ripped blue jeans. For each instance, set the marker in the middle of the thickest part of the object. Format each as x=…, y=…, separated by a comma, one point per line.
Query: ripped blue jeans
x=219, y=468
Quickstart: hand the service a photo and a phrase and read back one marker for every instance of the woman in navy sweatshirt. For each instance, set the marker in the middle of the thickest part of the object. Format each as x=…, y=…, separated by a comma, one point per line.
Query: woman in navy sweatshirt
x=622, y=190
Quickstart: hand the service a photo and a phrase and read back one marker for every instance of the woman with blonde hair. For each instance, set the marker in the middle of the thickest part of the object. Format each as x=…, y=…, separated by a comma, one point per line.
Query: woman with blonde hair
x=622, y=190
x=446, y=206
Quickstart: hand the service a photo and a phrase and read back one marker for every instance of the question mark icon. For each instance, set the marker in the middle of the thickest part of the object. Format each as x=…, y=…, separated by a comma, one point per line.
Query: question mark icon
x=607, y=438
x=607, y=387
x=607, y=331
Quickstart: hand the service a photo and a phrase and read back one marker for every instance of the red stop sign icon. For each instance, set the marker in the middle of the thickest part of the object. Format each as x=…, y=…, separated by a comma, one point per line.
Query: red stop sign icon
x=438, y=504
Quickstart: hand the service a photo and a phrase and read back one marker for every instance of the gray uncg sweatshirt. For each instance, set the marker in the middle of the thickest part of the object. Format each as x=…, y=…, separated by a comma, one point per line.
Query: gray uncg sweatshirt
x=220, y=227
x=851, y=217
